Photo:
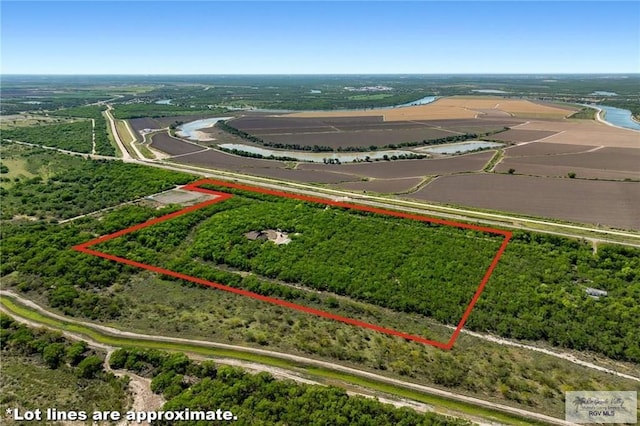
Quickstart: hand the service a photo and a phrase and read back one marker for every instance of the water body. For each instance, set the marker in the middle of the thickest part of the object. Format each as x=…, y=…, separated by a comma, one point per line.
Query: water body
x=489, y=91
x=164, y=102
x=421, y=101
x=460, y=147
x=191, y=129
x=603, y=93
x=316, y=157
x=618, y=117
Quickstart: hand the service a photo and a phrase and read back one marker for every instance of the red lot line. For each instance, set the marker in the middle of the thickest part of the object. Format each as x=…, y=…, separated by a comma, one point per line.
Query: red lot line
x=221, y=196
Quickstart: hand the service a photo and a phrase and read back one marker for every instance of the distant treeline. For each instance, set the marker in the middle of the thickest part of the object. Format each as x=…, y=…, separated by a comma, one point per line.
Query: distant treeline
x=151, y=110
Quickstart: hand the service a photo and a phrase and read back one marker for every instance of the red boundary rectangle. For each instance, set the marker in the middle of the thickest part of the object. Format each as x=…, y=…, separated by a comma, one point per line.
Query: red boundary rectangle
x=221, y=196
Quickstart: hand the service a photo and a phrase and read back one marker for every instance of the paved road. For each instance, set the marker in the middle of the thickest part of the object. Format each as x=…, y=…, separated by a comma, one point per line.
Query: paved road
x=294, y=358
x=126, y=157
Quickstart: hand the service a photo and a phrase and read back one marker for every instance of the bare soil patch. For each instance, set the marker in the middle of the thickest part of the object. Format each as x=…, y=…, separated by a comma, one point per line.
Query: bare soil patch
x=178, y=196
x=518, y=107
x=173, y=146
x=544, y=148
x=451, y=107
x=614, y=204
x=364, y=138
x=385, y=186
x=411, y=168
x=586, y=132
x=611, y=163
x=267, y=168
x=518, y=135
x=563, y=171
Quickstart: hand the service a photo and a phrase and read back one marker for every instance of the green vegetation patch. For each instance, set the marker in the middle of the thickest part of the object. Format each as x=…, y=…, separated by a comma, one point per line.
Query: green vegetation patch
x=95, y=112
x=259, y=398
x=42, y=369
x=70, y=136
x=403, y=264
x=585, y=113
x=67, y=186
x=140, y=110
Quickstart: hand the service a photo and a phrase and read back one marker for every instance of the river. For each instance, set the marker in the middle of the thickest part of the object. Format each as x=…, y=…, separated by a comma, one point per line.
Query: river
x=618, y=117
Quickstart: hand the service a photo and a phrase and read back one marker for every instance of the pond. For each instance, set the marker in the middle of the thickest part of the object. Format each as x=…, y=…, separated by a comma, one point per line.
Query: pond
x=191, y=129
x=460, y=147
x=316, y=157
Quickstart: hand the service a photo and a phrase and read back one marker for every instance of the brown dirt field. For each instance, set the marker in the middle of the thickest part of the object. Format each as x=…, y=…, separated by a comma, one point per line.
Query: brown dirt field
x=615, y=204
x=223, y=160
x=621, y=159
x=519, y=107
x=282, y=124
x=267, y=168
x=139, y=124
x=172, y=146
x=360, y=138
x=544, y=148
x=586, y=132
x=517, y=135
x=411, y=168
x=385, y=186
x=306, y=176
x=431, y=111
x=451, y=107
x=562, y=171
x=613, y=163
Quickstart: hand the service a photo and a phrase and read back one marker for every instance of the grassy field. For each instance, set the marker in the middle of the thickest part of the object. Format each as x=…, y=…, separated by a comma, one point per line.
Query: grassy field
x=585, y=114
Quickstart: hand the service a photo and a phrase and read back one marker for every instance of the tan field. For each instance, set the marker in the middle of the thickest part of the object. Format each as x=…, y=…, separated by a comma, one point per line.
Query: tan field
x=586, y=132
x=452, y=108
x=516, y=107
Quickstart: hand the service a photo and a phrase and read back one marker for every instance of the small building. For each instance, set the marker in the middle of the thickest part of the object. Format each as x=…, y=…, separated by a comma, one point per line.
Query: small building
x=256, y=235
x=594, y=292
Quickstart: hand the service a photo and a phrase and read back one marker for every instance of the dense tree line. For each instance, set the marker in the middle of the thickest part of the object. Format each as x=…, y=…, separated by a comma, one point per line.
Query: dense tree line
x=50, y=347
x=259, y=398
x=142, y=110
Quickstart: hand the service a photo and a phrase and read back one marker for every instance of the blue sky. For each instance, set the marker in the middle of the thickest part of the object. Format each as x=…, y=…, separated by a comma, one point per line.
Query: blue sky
x=163, y=37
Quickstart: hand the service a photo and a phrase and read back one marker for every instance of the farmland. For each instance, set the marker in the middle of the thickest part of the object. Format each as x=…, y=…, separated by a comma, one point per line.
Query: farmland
x=173, y=146
x=611, y=203
x=455, y=107
x=345, y=133
x=603, y=163
x=396, y=273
